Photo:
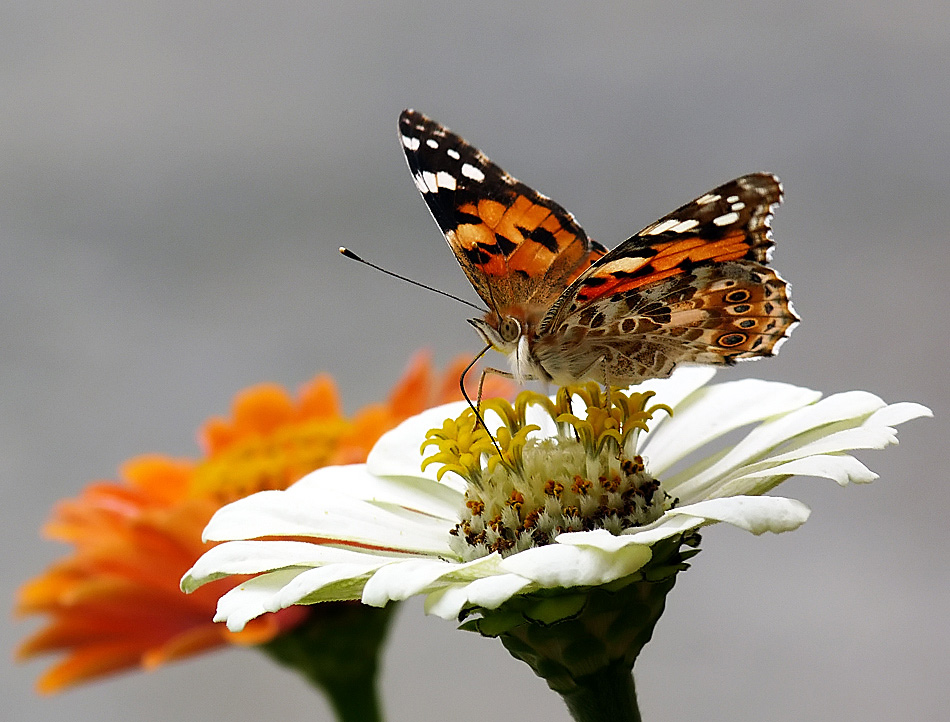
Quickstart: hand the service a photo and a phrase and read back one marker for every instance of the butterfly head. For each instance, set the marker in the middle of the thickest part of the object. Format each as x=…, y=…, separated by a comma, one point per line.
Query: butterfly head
x=501, y=332
x=509, y=335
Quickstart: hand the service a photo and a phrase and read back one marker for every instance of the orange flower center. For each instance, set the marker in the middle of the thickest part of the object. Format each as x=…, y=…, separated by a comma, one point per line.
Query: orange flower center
x=263, y=461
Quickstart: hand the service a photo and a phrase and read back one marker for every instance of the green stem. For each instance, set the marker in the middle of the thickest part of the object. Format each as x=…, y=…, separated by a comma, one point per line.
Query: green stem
x=337, y=650
x=608, y=695
x=356, y=700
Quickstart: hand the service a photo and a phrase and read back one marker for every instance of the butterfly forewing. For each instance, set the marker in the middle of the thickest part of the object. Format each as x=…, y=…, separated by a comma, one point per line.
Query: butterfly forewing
x=740, y=209
x=516, y=246
x=728, y=223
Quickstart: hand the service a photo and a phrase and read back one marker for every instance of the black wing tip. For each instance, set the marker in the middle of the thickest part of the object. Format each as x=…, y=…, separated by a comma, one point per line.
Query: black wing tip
x=769, y=184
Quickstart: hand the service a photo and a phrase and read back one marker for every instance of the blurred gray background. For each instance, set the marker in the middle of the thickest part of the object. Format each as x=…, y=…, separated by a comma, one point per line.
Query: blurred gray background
x=176, y=178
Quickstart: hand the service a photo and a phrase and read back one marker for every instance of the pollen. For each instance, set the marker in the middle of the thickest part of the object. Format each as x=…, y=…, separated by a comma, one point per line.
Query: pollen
x=525, y=487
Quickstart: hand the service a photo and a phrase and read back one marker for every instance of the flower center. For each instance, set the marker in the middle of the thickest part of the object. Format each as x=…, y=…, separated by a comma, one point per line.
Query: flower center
x=264, y=461
x=525, y=487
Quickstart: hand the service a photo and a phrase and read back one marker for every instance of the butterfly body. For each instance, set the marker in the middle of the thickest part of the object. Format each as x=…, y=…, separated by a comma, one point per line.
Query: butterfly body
x=694, y=287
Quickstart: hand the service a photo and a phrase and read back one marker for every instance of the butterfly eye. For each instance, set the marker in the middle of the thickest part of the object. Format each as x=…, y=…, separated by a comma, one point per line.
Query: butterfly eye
x=509, y=329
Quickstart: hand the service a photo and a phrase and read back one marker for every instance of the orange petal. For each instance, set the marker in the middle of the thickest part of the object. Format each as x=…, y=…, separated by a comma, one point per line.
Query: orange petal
x=88, y=664
x=319, y=399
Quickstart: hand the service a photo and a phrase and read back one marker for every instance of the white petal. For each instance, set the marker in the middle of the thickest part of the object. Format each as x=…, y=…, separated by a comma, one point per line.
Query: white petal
x=896, y=414
x=757, y=514
x=708, y=477
x=330, y=583
x=403, y=492
x=415, y=576
x=712, y=412
x=834, y=425
x=564, y=565
x=492, y=592
x=862, y=437
x=489, y=592
x=255, y=557
x=596, y=538
x=684, y=381
x=397, y=453
x=252, y=598
x=318, y=510
x=840, y=468
x=281, y=589
x=403, y=580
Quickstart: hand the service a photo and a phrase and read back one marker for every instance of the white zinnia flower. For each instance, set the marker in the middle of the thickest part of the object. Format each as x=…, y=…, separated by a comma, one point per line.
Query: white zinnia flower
x=576, y=503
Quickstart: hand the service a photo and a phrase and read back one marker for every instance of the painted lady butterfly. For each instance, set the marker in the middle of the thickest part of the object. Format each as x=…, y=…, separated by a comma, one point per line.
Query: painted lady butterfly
x=691, y=288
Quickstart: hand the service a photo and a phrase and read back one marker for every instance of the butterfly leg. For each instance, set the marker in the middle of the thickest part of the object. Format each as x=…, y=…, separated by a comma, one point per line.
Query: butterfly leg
x=481, y=381
x=476, y=407
x=603, y=360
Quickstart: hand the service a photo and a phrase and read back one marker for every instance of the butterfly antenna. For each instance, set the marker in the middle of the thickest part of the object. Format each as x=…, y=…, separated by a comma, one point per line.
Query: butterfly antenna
x=474, y=407
x=352, y=256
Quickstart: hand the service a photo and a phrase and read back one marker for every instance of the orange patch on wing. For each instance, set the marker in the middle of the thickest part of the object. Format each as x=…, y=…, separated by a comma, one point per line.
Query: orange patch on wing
x=622, y=285
x=490, y=212
x=566, y=239
x=524, y=214
x=671, y=255
x=531, y=258
x=470, y=235
x=551, y=223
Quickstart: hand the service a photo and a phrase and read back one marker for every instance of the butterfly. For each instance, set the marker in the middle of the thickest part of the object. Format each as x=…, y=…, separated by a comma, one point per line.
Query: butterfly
x=693, y=287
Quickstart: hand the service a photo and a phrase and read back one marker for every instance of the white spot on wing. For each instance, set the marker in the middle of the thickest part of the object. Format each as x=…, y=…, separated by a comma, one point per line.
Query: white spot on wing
x=410, y=143
x=708, y=198
x=732, y=199
x=663, y=227
x=432, y=185
x=726, y=219
x=420, y=184
x=445, y=180
x=738, y=206
x=626, y=264
x=470, y=171
x=431, y=143
x=685, y=226
x=452, y=153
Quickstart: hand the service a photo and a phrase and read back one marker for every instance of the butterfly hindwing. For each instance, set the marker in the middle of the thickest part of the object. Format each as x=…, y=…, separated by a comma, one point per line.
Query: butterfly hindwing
x=713, y=314
x=691, y=287
x=516, y=246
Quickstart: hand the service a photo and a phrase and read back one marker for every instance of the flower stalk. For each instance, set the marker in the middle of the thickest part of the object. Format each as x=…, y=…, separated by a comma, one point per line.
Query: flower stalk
x=338, y=651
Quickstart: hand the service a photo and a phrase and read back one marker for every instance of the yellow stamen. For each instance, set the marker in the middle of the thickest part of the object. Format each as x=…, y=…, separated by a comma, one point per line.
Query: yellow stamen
x=523, y=489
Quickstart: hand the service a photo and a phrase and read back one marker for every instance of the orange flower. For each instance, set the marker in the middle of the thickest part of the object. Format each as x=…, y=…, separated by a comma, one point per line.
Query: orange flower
x=114, y=604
